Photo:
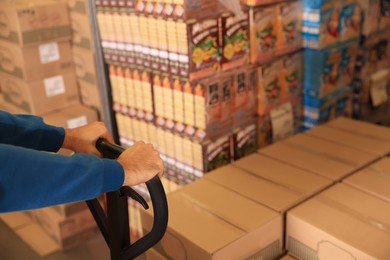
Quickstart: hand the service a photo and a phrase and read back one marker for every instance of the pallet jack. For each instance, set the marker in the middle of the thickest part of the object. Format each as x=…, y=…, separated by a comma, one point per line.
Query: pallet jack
x=115, y=225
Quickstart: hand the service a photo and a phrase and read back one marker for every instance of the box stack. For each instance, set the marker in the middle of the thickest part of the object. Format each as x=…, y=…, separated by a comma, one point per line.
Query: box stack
x=331, y=31
x=372, y=79
x=275, y=36
x=83, y=51
x=180, y=79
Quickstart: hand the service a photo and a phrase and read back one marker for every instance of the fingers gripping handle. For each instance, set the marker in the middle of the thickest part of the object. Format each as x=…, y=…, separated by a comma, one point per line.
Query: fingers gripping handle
x=159, y=202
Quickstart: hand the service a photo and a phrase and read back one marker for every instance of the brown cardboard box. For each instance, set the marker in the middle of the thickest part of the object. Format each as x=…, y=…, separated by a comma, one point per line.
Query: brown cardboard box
x=85, y=66
x=360, y=128
x=152, y=254
x=297, y=180
x=82, y=32
x=358, y=142
x=327, y=159
x=71, y=117
x=35, y=62
x=207, y=221
x=41, y=96
x=78, y=6
x=90, y=95
x=65, y=230
x=31, y=23
x=373, y=179
x=340, y=223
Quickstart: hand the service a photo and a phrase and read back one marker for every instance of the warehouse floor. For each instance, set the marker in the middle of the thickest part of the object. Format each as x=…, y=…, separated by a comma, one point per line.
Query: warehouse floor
x=13, y=248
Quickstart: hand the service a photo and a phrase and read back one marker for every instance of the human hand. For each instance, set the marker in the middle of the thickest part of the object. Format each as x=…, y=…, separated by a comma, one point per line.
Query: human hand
x=141, y=162
x=83, y=139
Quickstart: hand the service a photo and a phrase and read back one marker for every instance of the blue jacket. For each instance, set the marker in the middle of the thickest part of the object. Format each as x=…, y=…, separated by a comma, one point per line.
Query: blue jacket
x=31, y=177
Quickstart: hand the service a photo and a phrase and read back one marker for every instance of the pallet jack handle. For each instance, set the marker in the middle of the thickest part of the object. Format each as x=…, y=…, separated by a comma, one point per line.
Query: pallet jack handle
x=115, y=226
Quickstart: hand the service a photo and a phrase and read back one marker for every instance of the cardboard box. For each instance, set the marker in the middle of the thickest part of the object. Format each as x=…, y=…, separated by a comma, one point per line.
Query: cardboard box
x=90, y=95
x=82, y=35
x=324, y=158
x=64, y=230
x=27, y=23
x=35, y=62
x=85, y=66
x=359, y=128
x=297, y=180
x=271, y=194
x=340, y=223
x=363, y=143
x=152, y=254
x=220, y=226
x=41, y=96
x=374, y=179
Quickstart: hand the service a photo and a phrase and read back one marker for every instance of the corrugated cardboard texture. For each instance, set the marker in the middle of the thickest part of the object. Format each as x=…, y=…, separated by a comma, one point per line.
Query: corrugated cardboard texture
x=296, y=179
x=374, y=179
x=82, y=36
x=84, y=61
x=31, y=23
x=340, y=223
x=358, y=142
x=207, y=221
x=369, y=130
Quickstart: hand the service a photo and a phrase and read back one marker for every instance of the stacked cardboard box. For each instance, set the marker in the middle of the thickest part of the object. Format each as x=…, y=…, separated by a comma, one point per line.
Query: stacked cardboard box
x=36, y=70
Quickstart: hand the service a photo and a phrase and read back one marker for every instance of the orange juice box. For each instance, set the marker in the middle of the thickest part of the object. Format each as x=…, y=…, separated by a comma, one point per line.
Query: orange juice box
x=293, y=73
x=146, y=84
x=178, y=100
x=129, y=87
x=189, y=103
x=290, y=27
x=167, y=96
x=244, y=141
x=263, y=33
x=227, y=97
x=158, y=99
x=235, y=40
x=137, y=83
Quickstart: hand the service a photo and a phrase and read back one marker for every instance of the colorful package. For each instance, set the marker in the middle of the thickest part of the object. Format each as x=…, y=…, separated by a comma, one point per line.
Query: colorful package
x=351, y=20
x=244, y=141
x=371, y=15
x=384, y=14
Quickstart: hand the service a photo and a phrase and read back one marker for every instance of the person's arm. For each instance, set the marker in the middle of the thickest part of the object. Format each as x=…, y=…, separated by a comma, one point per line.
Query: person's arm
x=32, y=179
x=30, y=131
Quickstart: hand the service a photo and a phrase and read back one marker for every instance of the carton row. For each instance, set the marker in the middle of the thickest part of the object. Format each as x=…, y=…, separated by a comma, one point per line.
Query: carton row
x=186, y=159
x=191, y=48
x=209, y=107
x=284, y=204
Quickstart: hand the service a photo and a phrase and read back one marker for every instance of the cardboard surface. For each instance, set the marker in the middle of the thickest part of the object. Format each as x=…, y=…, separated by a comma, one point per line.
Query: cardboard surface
x=293, y=178
x=359, y=142
x=369, y=130
x=374, y=179
x=31, y=23
x=220, y=227
x=84, y=61
x=42, y=96
x=271, y=194
x=325, y=158
x=90, y=95
x=35, y=62
x=340, y=223
x=82, y=36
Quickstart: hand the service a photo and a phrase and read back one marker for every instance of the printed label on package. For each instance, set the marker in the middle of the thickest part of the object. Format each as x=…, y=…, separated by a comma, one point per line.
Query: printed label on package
x=49, y=52
x=54, y=86
x=282, y=121
x=77, y=122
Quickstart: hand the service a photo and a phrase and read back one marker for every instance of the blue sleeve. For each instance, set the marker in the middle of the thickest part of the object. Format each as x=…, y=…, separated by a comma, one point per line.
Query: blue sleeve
x=31, y=179
x=30, y=132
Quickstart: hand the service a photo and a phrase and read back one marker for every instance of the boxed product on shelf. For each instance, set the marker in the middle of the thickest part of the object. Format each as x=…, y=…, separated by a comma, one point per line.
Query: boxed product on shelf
x=25, y=23
x=274, y=30
x=222, y=225
x=371, y=12
x=235, y=40
x=278, y=193
x=320, y=110
x=329, y=69
x=41, y=96
x=84, y=64
x=340, y=223
x=359, y=142
x=384, y=14
x=244, y=141
x=325, y=158
x=35, y=62
x=328, y=22
x=279, y=81
x=280, y=122
x=373, y=179
x=69, y=231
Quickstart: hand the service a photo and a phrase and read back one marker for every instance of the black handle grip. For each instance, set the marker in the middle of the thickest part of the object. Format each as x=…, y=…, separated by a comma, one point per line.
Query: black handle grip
x=159, y=202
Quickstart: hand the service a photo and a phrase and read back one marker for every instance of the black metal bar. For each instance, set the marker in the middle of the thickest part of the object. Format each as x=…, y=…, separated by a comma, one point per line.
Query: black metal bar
x=100, y=217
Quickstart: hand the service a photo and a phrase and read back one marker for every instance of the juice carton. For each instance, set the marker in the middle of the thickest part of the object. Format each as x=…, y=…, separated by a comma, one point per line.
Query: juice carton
x=293, y=73
x=290, y=26
x=263, y=33
x=321, y=23
x=351, y=20
x=235, y=40
x=384, y=21
x=349, y=57
x=371, y=13
x=244, y=141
